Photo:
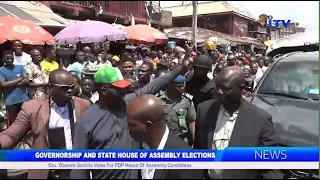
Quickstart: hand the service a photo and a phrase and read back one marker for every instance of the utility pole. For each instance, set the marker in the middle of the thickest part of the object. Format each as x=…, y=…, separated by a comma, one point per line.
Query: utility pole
x=194, y=23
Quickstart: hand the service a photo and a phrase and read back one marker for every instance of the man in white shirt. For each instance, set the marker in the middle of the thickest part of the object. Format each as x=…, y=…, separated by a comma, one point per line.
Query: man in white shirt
x=20, y=57
x=264, y=69
x=231, y=121
x=259, y=74
x=261, y=65
x=256, y=73
x=57, y=111
x=147, y=125
x=214, y=57
x=266, y=61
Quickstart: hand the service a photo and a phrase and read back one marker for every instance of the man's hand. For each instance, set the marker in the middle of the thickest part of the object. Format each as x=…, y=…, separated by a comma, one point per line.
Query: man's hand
x=188, y=49
x=186, y=66
x=21, y=78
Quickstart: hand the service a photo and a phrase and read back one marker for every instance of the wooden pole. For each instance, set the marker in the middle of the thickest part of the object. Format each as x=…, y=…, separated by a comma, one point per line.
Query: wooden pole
x=194, y=23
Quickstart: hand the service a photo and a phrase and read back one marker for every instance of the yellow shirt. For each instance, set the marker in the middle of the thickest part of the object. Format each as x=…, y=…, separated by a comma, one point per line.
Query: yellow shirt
x=49, y=66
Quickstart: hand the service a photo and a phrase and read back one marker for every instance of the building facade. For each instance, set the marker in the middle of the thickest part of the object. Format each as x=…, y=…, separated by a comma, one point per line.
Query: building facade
x=293, y=28
x=120, y=12
x=217, y=16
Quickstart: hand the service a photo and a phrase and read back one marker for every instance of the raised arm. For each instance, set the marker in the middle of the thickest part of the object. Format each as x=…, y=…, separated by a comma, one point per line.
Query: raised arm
x=156, y=85
x=159, y=83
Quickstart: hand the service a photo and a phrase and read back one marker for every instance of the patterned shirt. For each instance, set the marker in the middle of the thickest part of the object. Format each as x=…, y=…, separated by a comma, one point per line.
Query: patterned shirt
x=36, y=75
x=222, y=135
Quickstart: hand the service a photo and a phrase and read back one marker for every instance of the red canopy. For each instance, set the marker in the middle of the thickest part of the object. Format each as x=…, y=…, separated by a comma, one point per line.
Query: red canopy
x=28, y=32
x=140, y=34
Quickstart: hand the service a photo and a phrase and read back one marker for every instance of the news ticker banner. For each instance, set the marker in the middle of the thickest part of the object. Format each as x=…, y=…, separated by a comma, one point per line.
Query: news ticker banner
x=309, y=154
x=230, y=158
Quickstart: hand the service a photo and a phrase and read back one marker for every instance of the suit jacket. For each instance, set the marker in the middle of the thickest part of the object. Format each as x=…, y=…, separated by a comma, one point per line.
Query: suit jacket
x=253, y=128
x=34, y=118
x=175, y=142
x=3, y=174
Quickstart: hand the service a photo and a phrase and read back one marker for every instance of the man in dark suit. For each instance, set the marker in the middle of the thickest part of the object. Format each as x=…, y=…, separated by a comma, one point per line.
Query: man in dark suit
x=146, y=124
x=231, y=121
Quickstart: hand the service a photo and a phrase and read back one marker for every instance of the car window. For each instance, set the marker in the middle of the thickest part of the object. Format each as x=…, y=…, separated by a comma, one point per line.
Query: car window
x=295, y=78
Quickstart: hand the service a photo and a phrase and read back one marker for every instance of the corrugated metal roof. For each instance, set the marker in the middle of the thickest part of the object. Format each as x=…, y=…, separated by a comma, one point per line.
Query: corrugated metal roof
x=36, y=12
x=4, y=12
x=205, y=34
x=208, y=8
x=18, y=12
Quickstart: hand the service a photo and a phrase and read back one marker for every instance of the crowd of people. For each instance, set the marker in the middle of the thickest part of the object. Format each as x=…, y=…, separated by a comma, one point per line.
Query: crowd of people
x=173, y=98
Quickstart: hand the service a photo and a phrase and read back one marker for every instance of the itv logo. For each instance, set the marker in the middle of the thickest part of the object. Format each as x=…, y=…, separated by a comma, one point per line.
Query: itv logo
x=268, y=20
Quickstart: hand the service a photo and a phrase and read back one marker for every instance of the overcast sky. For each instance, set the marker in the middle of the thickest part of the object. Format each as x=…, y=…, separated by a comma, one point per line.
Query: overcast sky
x=306, y=13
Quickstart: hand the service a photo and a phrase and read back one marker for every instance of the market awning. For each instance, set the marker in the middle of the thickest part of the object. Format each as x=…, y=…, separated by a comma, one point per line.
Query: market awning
x=33, y=11
x=205, y=34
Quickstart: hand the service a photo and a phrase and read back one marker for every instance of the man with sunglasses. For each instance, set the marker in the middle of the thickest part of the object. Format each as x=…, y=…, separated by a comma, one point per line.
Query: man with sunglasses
x=59, y=110
x=105, y=122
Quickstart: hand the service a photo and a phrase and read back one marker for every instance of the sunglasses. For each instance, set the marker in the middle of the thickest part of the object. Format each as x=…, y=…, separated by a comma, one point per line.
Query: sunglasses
x=64, y=87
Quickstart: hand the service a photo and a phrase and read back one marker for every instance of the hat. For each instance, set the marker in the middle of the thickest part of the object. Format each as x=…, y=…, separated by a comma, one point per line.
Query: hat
x=116, y=58
x=110, y=75
x=210, y=45
x=180, y=79
x=203, y=61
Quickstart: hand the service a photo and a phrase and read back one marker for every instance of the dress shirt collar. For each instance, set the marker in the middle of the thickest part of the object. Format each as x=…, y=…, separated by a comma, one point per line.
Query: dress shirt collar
x=53, y=104
x=162, y=142
x=225, y=113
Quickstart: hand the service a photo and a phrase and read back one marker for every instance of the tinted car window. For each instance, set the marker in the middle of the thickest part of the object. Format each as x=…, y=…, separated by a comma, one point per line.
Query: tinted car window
x=293, y=78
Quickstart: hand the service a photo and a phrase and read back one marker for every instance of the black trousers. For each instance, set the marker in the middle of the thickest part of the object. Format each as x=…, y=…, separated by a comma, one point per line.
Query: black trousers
x=13, y=111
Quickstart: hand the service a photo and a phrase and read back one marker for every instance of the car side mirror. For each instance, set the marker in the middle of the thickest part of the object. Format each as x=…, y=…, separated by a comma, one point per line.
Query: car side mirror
x=248, y=85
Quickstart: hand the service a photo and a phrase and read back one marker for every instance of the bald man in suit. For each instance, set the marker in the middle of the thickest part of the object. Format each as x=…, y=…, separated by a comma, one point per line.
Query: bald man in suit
x=147, y=125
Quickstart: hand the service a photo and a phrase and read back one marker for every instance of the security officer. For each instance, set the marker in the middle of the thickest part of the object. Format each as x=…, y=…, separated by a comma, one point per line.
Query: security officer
x=198, y=85
x=180, y=113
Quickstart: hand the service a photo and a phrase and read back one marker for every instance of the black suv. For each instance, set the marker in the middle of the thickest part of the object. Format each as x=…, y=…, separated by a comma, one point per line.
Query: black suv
x=289, y=91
